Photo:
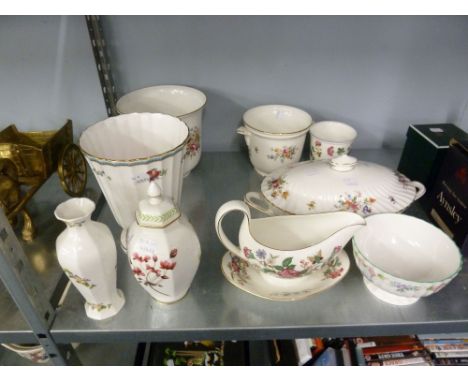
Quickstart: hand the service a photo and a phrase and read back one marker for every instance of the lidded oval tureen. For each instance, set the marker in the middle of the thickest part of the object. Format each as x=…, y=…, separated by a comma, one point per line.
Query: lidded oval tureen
x=343, y=184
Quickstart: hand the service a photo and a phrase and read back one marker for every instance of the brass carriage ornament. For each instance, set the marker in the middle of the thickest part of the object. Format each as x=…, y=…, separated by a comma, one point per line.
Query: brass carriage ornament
x=28, y=159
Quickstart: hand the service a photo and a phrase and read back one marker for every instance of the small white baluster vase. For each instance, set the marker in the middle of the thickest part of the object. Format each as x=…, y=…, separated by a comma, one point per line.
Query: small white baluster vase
x=87, y=253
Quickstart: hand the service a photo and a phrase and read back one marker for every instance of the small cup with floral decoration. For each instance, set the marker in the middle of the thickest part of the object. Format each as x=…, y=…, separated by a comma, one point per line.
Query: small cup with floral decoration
x=330, y=139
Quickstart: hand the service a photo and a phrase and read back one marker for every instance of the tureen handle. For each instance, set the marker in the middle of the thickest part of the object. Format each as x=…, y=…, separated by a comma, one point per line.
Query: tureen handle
x=420, y=189
x=233, y=205
x=246, y=133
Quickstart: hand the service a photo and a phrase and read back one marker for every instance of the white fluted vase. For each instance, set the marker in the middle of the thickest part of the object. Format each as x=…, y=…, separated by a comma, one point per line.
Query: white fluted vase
x=128, y=151
x=87, y=253
x=183, y=102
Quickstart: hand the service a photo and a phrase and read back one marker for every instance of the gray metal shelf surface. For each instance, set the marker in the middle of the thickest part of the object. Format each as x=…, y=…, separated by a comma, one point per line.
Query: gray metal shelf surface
x=217, y=310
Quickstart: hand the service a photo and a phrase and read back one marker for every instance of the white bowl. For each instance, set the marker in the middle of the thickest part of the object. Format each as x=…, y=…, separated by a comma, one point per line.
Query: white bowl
x=403, y=258
x=275, y=135
x=183, y=102
x=126, y=151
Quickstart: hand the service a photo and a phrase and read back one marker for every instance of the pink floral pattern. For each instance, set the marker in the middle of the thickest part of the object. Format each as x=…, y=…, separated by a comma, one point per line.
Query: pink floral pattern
x=317, y=149
x=150, y=175
x=193, y=144
x=39, y=356
x=149, y=272
x=331, y=151
x=284, y=153
x=268, y=263
x=355, y=203
x=275, y=185
x=333, y=268
x=238, y=268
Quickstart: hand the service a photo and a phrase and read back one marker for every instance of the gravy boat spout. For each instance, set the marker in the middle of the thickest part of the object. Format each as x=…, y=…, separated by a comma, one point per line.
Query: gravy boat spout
x=289, y=246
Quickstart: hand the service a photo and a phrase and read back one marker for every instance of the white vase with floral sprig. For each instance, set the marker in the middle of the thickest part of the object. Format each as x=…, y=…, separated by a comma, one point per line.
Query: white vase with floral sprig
x=87, y=253
x=163, y=248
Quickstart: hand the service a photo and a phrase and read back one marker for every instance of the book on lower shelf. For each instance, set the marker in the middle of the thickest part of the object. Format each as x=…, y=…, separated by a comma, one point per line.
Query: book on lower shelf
x=198, y=353
x=447, y=349
x=361, y=351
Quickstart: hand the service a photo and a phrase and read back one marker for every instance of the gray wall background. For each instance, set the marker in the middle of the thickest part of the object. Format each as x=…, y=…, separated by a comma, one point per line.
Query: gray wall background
x=378, y=74
x=47, y=73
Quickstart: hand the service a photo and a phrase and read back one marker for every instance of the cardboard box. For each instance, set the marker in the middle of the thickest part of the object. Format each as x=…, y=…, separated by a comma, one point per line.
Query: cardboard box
x=449, y=197
x=425, y=150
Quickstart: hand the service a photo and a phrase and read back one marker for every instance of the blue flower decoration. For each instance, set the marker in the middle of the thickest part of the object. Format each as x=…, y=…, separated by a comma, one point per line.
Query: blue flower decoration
x=261, y=253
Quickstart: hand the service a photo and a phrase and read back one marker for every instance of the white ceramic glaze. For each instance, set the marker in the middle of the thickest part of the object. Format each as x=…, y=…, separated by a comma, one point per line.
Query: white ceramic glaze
x=33, y=353
x=330, y=139
x=403, y=258
x=343, y=184
x=183, y=102
x=127, y=151
x=87, y=254
x=288, y=247
x=163, y=248
x=239, y=273
x=275, y=135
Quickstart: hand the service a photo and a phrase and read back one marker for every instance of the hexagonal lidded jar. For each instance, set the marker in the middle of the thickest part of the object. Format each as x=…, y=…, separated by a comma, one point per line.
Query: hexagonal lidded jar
x=163, y=248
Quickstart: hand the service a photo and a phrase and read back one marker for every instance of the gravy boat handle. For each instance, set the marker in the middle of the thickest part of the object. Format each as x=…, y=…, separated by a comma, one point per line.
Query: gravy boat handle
x=233, y=205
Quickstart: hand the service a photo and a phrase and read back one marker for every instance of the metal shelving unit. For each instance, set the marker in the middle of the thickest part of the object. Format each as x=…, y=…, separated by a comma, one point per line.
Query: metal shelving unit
x=33, y=281
x=214, y=308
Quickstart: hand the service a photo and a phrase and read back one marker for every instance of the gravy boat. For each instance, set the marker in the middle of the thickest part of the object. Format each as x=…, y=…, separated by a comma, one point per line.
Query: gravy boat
x=289, y=246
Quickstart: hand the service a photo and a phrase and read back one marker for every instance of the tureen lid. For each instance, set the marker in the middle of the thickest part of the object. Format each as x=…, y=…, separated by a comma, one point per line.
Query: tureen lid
x=343, y=184
x=157, y=211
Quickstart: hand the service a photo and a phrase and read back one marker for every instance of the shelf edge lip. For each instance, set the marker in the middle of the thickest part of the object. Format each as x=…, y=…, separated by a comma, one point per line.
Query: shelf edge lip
x=17, y=336
x=161, y=335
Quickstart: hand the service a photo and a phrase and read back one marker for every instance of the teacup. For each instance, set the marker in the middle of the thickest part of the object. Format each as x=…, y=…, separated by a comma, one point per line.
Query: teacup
x=330, y=139
x=183, y=102
x=275, y=135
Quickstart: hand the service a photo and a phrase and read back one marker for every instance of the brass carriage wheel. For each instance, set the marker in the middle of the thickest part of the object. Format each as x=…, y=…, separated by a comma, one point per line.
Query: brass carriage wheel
x=9, y=185
x=72, y=170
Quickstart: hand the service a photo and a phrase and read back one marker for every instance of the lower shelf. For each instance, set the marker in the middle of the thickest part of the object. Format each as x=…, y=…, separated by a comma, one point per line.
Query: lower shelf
x=121, y=354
